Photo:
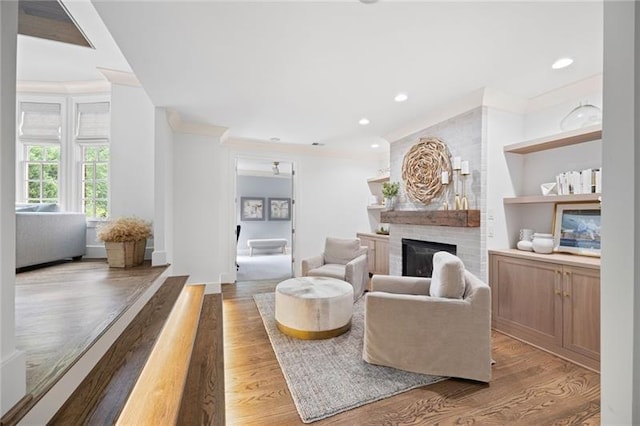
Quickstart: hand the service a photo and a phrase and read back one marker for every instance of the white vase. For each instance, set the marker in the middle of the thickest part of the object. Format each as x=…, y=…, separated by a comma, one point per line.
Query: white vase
x=543, y=243
x=525, y=245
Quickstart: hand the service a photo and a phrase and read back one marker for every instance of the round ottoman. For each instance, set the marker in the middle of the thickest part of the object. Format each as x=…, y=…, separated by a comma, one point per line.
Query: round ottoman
x=314, y=308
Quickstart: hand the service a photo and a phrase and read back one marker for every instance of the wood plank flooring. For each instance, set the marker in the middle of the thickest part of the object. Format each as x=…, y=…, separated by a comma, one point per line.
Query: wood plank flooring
x=62, y=309
x=529, y=386
x=203, y=396
x=102, y=394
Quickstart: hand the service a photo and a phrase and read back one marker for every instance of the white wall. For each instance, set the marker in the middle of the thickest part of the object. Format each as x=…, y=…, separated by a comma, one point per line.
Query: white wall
x=198, y=208
x=163, y=191
x=132, y=152
x=620, y=274
x=132, y=147
x=12, y=362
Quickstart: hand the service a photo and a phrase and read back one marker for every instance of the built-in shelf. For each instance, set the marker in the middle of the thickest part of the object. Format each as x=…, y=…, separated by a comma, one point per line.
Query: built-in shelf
x=375, y=207
x=379, y=179
x=537, y=199
x=458, y=218
x=586, y=134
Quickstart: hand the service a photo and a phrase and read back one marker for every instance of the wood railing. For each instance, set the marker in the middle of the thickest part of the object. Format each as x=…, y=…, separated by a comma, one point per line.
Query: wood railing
x=157, y=395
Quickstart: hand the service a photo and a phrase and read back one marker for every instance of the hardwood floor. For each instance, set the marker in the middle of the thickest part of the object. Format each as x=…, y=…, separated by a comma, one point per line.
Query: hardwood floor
x=62, y=309
x=529, y=386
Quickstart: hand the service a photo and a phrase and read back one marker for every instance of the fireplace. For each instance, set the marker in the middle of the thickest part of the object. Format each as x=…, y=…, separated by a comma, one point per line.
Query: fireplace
x=417, y=256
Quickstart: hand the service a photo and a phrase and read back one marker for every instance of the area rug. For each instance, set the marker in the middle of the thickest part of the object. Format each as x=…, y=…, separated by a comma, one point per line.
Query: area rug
x=327, y=377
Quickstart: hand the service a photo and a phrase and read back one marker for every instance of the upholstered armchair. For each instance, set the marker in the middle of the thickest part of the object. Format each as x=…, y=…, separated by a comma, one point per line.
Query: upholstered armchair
x=439, y=326
x=343, y=259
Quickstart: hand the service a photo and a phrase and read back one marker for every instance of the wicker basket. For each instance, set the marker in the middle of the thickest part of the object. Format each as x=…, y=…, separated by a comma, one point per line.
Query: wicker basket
x=126, y=254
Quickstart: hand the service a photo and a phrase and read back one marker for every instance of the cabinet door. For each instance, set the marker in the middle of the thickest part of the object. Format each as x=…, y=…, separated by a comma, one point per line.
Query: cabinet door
x=527, y=299
x=371, y=251
x=581, y=310
x=382, y=257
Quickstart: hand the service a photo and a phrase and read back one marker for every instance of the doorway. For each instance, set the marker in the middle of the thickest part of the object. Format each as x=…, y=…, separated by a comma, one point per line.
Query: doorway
x=264, y=218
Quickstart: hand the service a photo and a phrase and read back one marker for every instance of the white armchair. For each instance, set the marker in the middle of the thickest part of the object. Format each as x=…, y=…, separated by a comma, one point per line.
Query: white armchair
x=343, y=259
x=407, y=328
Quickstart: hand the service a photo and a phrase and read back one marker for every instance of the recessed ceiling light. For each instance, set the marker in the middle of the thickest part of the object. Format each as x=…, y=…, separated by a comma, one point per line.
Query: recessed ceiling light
x=364, y=121
x=275, y=139
x=401, y=97
x=368, y=1
x=562, y=63
x=375, y=145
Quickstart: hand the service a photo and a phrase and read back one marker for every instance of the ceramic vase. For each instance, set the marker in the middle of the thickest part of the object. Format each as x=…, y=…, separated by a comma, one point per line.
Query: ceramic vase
x=543, y=243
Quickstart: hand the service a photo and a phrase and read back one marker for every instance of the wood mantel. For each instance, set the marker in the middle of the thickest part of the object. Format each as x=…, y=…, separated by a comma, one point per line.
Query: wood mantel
x=459, y=218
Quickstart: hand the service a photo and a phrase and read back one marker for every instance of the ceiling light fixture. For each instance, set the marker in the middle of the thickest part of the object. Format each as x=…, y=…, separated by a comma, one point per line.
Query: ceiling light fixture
x=364, y=121
x=562, y=63
x=276, y=170
x=401, y=97
x=368, y=1
x=375, y=145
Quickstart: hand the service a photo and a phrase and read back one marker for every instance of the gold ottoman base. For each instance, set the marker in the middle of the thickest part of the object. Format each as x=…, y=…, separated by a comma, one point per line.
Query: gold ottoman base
x=313, y=335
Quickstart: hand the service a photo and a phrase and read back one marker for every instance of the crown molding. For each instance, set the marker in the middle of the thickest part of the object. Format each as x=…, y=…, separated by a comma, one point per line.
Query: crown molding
x=94, y=86
x=178, y=125
x=581, y=88
x=122, y=78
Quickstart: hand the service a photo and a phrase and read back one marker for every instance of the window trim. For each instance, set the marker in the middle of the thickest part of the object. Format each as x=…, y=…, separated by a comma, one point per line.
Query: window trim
x=70, y=173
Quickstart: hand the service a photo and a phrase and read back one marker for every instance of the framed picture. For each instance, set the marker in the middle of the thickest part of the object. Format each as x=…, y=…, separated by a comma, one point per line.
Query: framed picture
x=576, y=228
x=251, y=208
x=279, y=209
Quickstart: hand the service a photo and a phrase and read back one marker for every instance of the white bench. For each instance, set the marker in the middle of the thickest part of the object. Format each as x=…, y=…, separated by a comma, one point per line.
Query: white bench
x=267, y=243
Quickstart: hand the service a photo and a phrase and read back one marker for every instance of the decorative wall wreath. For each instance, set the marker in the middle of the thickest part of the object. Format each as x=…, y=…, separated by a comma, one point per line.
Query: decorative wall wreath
x=422, y=169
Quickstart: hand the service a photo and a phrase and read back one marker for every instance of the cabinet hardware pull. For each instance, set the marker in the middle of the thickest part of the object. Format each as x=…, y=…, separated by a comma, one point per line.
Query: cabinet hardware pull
x=566, y=294
x=558, y=292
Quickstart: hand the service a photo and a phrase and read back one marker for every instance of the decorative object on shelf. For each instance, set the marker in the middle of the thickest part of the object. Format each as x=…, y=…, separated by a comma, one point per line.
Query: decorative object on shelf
x=464, y=172
x=576, y=228
x=422, y=169
x=279, y=208
x=389, y=192
x=588, y=181
x=549, y=188
x=382, y=231
x=444, y=180
x=456, y=182
x=251, y=208
x=542, y=243
x=525, y=243
x=125, y=240
x=581, y=116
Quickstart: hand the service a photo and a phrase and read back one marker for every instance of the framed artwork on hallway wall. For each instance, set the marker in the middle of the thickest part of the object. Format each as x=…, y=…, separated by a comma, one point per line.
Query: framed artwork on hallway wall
x=251, y=208
x=279, y=209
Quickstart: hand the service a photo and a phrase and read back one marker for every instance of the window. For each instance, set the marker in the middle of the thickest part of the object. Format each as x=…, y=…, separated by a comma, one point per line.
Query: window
x=42, y=173
x=95, y=180
x=63, y=152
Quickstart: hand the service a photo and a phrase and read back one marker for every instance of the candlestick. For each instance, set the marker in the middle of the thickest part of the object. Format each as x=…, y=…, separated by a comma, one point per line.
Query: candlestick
x=456, y=188
x=445, y=177
x=464, y=203
x=456, y=163
x=464, y=169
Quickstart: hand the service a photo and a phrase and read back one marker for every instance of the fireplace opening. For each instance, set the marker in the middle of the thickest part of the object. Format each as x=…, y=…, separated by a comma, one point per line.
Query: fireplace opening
x=417, y=256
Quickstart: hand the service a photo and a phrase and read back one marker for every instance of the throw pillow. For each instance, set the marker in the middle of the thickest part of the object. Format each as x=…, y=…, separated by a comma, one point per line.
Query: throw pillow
x=447, y=279
x=341, y=251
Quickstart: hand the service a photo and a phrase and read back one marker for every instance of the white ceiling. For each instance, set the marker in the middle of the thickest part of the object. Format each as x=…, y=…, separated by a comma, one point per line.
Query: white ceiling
x=308, y=71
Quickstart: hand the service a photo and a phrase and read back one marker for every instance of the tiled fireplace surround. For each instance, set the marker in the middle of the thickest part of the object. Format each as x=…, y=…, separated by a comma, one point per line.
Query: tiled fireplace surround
x=464, y=136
